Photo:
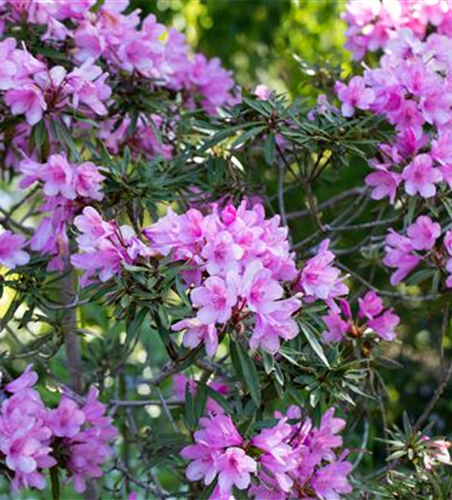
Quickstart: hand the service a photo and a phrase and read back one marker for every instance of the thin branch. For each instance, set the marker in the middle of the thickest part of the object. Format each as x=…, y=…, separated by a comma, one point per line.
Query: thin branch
x=328, y=203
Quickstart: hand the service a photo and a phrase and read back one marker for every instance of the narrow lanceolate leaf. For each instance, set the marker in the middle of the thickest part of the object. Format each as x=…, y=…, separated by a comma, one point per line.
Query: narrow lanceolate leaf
x=135, y=325
x=218, y=398
x=270, y=149
x=247, y=136
x=190, y=417
x=200, y=401
x=249, y=373
x=314, y=343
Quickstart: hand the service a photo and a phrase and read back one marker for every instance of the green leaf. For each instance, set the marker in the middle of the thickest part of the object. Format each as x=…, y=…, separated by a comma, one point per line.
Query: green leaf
x=207, y=493
x=249, y=373
x=248, y=135
x=135, y=325
x=55, y=481
x=39, y=134
x=269, y=362
x=200, y=401
x=315, y=344
x=270, y=149
x=218, y=398
x=190, y=417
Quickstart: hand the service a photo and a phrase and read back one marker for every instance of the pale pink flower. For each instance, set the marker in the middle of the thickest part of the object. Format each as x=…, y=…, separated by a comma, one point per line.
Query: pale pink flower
x=384, y=183
x=25, y=381
x=11, y=253
x=384, y=325
x=93, y=228
x=27, y=100
x=399, y=254
x=319, y=279
x=215, y=299
x=278, y=324
x=354, y=95
x=337, y=328
x=423, y=233
x=420, y=177
x=88, y=181
x=370, y=305
x=260, y=289
x=196, y=333
x=235, y=468
x=59, y=177
x=67, y=419
x=222, y=254
x=331, y=481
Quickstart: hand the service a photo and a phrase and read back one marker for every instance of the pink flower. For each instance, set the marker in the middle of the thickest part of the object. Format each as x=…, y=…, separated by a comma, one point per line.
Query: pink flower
x=89, y=42
x=222, y=254
x=105, y=263
x=235, y=467
x=93, y=227
x=25, y=381
x=423, y=233
x=384, y=325
x=354, y=95
x=28, y=100
x=197, y=333
x=217, y=432
x=279, y=457
x=370, y=305
x=59, y=177
x=448, y=241
x=11, y=253
x=399, y=255
x=215, y=298
x=88, y=182
x=384, y=183
x=164, y=234
x=263, y=92
x=337, y=327
x=331, y=481
x=67, y=419
x=203, y=462
x=319, y=279
x=278, y=324
x=259, y=289
x=88, y=449
x=420, y=177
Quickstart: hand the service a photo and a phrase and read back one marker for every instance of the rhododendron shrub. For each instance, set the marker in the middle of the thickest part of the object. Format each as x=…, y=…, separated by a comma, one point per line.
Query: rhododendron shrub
x=190, y=307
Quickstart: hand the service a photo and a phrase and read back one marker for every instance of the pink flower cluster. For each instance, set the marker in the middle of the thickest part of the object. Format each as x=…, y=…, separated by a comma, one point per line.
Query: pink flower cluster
x=34, y=438
x=372, y=318
x=31, y=88
x=105, y=247
x=143, y=49
x=405, y=253
x=285, y=461
x=373, y=23
x=65, y=186
x=11, y=250
x=237, y=261
x=412, y=89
